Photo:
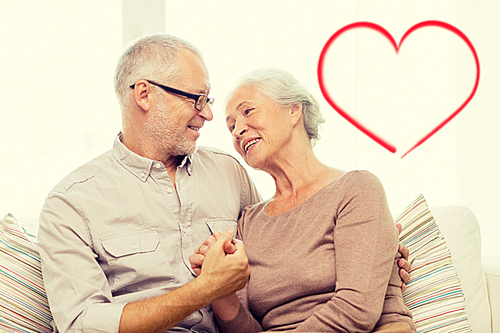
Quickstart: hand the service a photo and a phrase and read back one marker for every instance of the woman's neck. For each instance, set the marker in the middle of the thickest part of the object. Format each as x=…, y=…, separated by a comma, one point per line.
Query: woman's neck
x=297, y=177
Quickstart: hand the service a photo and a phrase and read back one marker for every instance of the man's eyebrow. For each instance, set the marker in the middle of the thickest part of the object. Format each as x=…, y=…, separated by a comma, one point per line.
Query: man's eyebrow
x=204, y=91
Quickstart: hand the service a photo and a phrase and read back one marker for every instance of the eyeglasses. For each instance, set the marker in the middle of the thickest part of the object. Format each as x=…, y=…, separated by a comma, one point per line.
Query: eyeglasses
x=200, y=100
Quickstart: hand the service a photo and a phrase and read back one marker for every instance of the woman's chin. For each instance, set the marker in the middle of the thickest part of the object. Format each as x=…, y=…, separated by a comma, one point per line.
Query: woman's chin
x=254, y=163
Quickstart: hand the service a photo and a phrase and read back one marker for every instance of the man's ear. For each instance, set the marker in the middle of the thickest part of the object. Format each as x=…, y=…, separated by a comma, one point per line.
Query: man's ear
x=295, y=113
x=142, y=95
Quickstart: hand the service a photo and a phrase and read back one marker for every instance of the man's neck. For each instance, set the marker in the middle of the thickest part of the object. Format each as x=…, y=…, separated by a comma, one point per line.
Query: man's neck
x=140, y=148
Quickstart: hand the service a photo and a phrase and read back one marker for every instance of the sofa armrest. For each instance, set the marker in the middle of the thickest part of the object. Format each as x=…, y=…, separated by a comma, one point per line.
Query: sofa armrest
x=491, y=266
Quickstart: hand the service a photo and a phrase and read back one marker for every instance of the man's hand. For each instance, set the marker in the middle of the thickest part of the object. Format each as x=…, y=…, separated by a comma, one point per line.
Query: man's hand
x=223, y=269
x=199, y=254
x=403, y=263
x=196, y=259
x=221, y=263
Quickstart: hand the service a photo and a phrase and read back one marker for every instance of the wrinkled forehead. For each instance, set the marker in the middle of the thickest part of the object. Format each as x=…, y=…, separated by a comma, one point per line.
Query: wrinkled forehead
x=240, y=96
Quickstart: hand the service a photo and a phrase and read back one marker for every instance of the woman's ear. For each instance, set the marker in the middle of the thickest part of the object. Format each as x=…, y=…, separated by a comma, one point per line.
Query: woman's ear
x=142, y=95
x=295, y=113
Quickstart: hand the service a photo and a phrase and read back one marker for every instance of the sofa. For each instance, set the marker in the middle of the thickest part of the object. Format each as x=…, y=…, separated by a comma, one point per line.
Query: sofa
x=479, y=275
x=452, y=288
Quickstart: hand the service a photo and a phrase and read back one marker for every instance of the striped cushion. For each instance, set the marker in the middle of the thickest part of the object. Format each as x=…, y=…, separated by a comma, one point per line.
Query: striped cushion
x=433, y=294
x=23, y=302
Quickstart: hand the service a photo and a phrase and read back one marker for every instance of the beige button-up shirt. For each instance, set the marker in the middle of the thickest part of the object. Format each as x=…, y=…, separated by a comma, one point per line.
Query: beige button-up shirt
x=116, y=231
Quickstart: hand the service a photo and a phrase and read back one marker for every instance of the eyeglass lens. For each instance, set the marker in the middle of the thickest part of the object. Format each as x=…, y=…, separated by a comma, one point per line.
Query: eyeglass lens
x=201, y=102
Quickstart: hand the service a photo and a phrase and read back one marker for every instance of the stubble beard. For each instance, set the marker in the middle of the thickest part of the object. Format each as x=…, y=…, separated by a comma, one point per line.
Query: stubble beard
x=167, y=136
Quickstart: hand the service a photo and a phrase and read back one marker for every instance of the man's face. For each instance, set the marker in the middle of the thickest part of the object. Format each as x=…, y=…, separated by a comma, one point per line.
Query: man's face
x=175, y=123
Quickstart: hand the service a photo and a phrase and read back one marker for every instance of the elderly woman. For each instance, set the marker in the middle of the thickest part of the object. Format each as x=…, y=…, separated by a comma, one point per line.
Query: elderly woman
x=307, y=245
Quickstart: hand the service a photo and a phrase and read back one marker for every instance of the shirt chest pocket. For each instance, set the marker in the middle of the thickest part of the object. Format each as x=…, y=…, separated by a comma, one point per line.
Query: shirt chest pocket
x=221, y=225
x=136, y=261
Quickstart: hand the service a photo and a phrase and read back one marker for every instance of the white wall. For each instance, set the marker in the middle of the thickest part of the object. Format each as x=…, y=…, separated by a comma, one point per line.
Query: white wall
x=433, y=73
x=59, y=109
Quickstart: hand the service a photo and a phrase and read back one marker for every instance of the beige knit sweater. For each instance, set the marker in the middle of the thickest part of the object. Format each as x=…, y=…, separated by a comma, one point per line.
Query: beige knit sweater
x=327, y=265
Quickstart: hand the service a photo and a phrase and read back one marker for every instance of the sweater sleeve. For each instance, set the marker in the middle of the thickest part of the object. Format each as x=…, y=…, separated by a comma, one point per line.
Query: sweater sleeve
x=365, y=248
x=244, y=320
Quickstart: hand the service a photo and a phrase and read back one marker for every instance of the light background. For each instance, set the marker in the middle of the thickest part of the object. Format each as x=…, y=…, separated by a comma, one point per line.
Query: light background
x=59, y=110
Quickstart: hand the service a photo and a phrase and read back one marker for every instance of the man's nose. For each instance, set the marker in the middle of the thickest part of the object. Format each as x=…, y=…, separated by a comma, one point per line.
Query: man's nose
x=206, y=112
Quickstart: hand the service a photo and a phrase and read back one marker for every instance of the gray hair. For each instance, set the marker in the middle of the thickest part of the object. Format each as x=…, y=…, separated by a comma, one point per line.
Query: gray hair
x=152, y=57
x=286, y=91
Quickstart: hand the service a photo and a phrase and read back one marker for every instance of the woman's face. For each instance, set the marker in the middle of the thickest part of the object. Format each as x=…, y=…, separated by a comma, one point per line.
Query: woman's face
x=260, y=128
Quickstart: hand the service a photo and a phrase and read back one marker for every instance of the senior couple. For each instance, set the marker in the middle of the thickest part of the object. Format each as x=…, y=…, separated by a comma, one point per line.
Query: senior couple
x=141, y=239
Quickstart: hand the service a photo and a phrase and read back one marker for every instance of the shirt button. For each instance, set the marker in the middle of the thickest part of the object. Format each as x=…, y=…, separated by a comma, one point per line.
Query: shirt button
x=158, y=165
x=189, y=170
x=169, y=190
x=143, y=174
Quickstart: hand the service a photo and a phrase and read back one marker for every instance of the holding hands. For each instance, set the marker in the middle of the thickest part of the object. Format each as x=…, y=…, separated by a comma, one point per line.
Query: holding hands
x=222, y=263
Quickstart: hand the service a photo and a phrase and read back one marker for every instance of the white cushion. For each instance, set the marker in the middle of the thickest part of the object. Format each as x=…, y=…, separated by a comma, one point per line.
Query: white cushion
x=491, y=265
x=461, y=232
x=433, y=294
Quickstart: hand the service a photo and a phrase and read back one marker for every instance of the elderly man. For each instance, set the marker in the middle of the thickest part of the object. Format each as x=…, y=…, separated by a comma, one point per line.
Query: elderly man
x=116, y=234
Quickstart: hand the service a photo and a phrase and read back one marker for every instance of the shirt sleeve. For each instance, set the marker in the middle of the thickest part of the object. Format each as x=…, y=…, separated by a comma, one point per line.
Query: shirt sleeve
x=79, y=295
x=365, y=248
x=250, y=195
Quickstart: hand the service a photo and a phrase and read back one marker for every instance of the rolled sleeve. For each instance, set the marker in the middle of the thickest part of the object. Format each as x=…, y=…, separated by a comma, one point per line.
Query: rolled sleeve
x=103, y=318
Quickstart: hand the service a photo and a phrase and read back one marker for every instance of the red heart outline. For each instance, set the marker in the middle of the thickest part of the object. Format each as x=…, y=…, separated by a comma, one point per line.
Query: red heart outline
x=396, y=46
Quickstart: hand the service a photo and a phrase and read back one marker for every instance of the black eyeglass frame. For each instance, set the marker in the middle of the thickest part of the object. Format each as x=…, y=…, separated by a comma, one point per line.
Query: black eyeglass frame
x=201, y=100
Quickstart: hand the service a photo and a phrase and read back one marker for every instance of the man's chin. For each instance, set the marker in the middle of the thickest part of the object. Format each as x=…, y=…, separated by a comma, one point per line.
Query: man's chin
x=190, y=149
x=194, y=150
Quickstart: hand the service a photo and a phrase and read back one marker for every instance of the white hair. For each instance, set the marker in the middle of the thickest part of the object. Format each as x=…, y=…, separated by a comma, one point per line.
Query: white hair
x=286, y=91
x=152, y=57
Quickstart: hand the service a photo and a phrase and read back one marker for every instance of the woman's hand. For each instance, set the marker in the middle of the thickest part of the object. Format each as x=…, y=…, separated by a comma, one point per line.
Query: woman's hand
x=196, y=259
x=403, y=263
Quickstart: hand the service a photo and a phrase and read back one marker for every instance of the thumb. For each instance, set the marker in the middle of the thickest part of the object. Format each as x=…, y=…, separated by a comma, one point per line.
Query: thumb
x=220, y=244
x=229, y=247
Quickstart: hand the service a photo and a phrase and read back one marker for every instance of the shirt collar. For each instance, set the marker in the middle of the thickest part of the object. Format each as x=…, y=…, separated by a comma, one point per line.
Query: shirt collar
x=138, y=165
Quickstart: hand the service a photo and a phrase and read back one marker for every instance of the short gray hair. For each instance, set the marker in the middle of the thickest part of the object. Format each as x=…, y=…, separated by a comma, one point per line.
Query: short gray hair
x=285, y=90
x=152, y=57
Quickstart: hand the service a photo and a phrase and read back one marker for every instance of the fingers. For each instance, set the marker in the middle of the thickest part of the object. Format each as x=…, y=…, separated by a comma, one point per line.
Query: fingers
x=196, y=261
x=203, y=249
x=403, y=273
x=404, y=253
x=229, y=247
x=405, y=268
x=222, y=238
x=217, y=234
x=210, y=241
x=399, y=227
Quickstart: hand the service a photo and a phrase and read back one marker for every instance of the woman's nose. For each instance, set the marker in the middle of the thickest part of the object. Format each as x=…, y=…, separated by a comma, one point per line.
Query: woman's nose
x=239, y=130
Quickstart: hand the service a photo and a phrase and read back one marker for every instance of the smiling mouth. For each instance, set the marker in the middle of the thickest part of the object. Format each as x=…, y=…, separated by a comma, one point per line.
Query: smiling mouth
x=250, y=144
x=194, y=128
